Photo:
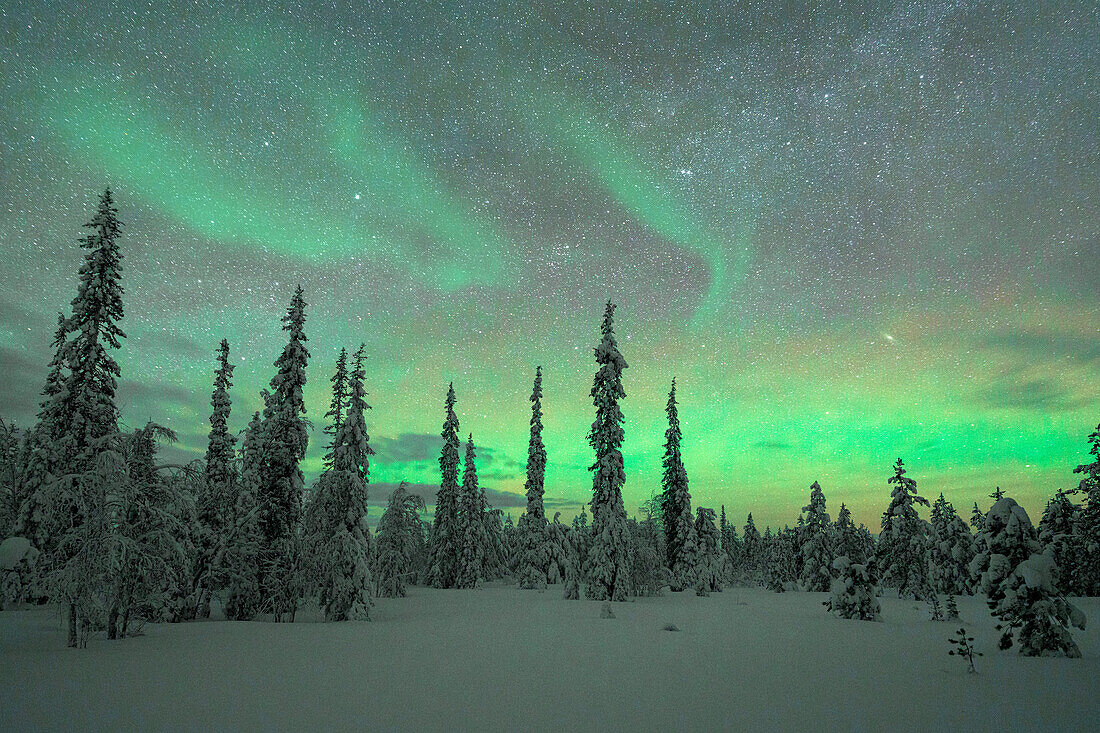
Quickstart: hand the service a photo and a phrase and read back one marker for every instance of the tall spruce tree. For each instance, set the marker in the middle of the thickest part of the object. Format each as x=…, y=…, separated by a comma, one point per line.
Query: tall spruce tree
x=681, y=538
x=534, y=553
x=471, y=525
x=446, y=543
x=281, y=482
x=752, y=562
x=346, y=578
x=608, y=572
x=218, y=485
x=82, y=408
x=903, y=541
x=240, y=573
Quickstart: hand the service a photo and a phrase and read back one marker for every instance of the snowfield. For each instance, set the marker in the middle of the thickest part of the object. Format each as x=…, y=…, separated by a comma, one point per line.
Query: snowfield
x=498, y=658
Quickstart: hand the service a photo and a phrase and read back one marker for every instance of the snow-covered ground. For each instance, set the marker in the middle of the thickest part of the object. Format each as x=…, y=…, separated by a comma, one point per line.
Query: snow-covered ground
x=498, y=658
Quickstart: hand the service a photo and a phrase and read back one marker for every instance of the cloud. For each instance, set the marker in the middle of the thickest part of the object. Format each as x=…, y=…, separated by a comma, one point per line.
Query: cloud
x=1035, y=394
x=772, y=445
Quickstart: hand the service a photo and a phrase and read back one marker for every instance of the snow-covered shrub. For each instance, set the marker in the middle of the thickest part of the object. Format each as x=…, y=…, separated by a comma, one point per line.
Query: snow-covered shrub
x=853, y=591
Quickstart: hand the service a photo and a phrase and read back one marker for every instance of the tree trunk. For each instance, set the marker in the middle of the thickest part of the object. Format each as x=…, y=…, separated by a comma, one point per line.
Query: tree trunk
x=72, y=624
x=112, y=622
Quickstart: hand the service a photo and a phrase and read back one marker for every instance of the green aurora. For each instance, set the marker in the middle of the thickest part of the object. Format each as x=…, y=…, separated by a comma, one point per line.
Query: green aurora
x=845, y=247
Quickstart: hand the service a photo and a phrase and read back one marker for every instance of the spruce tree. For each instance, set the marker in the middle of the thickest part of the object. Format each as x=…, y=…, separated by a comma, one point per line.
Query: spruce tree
x=1057, y=530
x=446, y=542
x=681, y=540
x=534, y=553
x=281, y=483
x=753, y=555
x=608, y=572
x=1018, y=577
x=846, y=539
x=218, y=486
x=346, y=579
x=817, y=549
x=39, y=460
x=710, y=569
x=471, y=526
x=337, y=406
x=950, y=550
x=240, y=573
x=1088, y=523
x=84, y=403
x=397, y=541
x=853, y=591
x=903, y=541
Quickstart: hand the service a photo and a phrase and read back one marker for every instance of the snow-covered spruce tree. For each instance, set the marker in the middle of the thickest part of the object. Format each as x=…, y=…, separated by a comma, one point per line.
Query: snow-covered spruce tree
x=218, y=488
x=337, y=406
x=38, y=463
x=711, y=567
x=471, y=527
x=509, y=535
x=1057, y=530
x=446, y=542
x=317, y=522
x=607, y=571
x=1006, y=540
x=753, y=555
x=681, y=541
x=903, y=542
x=534, y=550
x=239, y=573
x=281, y=485
x=846, y=539
x=82, y=410
x=1088, y=523
x=558, y=547
x=397, y=543
x=772, y=561
x=9, y=476
x=1018, y=580
x=345, y=578
x=1031, y=607
x=648, y=569
x=581, y=538
x=950, y=550
x=977, y=518
x=817, y=546
x=853, y=590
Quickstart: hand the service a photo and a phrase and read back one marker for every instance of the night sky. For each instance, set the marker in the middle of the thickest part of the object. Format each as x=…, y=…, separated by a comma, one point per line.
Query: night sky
x=852, y=232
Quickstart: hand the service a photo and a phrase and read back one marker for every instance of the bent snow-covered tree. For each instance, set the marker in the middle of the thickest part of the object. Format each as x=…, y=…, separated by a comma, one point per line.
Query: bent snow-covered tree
x=398, y=542
x=607, y=571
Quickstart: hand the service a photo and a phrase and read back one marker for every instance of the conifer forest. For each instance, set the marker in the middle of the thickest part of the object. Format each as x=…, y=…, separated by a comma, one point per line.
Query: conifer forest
x=626, y=366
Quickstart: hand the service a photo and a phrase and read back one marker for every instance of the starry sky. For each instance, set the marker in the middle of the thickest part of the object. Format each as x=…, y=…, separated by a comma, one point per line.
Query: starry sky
x=851, y=231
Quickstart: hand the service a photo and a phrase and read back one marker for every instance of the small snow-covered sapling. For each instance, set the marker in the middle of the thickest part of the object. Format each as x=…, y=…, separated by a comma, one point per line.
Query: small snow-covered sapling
x=964, y=647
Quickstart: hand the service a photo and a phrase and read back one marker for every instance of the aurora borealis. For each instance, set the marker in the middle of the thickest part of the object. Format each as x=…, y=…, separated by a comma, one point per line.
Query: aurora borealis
x=852, y=232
